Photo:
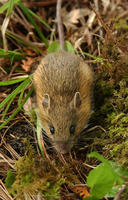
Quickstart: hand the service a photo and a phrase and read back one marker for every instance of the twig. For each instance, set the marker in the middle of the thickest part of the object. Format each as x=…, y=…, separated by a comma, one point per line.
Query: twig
x=108, y=31
x=3, y=192
x=95, y=127
x=59, y=24
x=40, y=3
x=121, y=190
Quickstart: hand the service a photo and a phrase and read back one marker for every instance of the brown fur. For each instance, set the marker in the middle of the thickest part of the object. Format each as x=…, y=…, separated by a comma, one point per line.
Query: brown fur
x=63, y=84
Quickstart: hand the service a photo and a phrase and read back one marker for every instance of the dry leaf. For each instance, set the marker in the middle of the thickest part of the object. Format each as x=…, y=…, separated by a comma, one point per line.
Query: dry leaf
x=27, y=64
x=106, y=4
x=73, y=17
x=82, y=191
x=28, y=105
x=91, y=19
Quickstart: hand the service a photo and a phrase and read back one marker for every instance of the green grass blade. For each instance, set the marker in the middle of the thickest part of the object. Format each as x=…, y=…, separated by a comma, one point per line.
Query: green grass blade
x=10, y=7
x=17, y=110
x=11, y=82
x=14, y=93
x=39, y=18
x=21, y=97
x=10, y=54
x=23, y=87
x=90, y=55
x=6, y=6
x=97, y=59
x=6, y=109
x=22, y=92
x=26, y=12
x=25, y=43
x=10, y=96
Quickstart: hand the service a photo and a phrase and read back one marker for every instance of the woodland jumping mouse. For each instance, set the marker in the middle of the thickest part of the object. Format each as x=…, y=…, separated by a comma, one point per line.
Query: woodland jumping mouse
x=63, y=84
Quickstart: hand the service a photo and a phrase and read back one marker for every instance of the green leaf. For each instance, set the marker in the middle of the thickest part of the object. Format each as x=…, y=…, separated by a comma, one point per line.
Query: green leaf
x=69, y=47
x=98, y=156
x=113, y=191
x=90, y=198
x=55, y=46
x=11, y=177
x=101, y=180
x=120, y=171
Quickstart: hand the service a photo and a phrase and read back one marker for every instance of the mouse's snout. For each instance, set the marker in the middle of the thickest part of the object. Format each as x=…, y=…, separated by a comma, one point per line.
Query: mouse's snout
x=63, y=146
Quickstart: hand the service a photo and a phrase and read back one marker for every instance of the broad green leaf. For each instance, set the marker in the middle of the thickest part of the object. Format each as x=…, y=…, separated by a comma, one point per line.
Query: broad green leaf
x=90, y=198
x=69, y=47
x=55, y=46
x=101, y=180
x=113, y=191
x=119, y=170
x=98, y=156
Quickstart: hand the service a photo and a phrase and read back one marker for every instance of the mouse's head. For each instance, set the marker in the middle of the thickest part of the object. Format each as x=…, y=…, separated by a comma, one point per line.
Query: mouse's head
x=63, y=119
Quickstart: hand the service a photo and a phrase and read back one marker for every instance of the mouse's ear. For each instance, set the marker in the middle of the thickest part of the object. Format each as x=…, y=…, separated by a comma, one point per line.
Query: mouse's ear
x=46, y=101
x=76, y=102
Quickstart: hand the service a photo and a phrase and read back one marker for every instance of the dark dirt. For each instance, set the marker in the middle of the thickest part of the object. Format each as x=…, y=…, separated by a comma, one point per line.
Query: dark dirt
x=17, y=135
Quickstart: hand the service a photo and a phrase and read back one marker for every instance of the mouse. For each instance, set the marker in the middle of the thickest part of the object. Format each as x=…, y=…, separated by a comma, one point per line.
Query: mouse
x=63, y=85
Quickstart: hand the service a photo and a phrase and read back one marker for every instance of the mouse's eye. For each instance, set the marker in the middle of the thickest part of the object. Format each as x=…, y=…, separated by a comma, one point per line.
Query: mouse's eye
x=72, y=129
x=52, y=130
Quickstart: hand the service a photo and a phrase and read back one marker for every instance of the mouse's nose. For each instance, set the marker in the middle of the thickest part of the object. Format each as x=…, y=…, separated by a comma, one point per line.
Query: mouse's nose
x=63, y=147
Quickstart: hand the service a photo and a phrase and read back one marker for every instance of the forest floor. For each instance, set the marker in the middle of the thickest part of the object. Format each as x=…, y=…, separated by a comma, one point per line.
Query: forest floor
x=98, y=32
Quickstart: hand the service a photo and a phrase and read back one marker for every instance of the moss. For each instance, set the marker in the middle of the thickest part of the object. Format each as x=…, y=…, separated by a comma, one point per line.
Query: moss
x=36, y=175
x=121, y=24
x=111, y=113
x=111, y=97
